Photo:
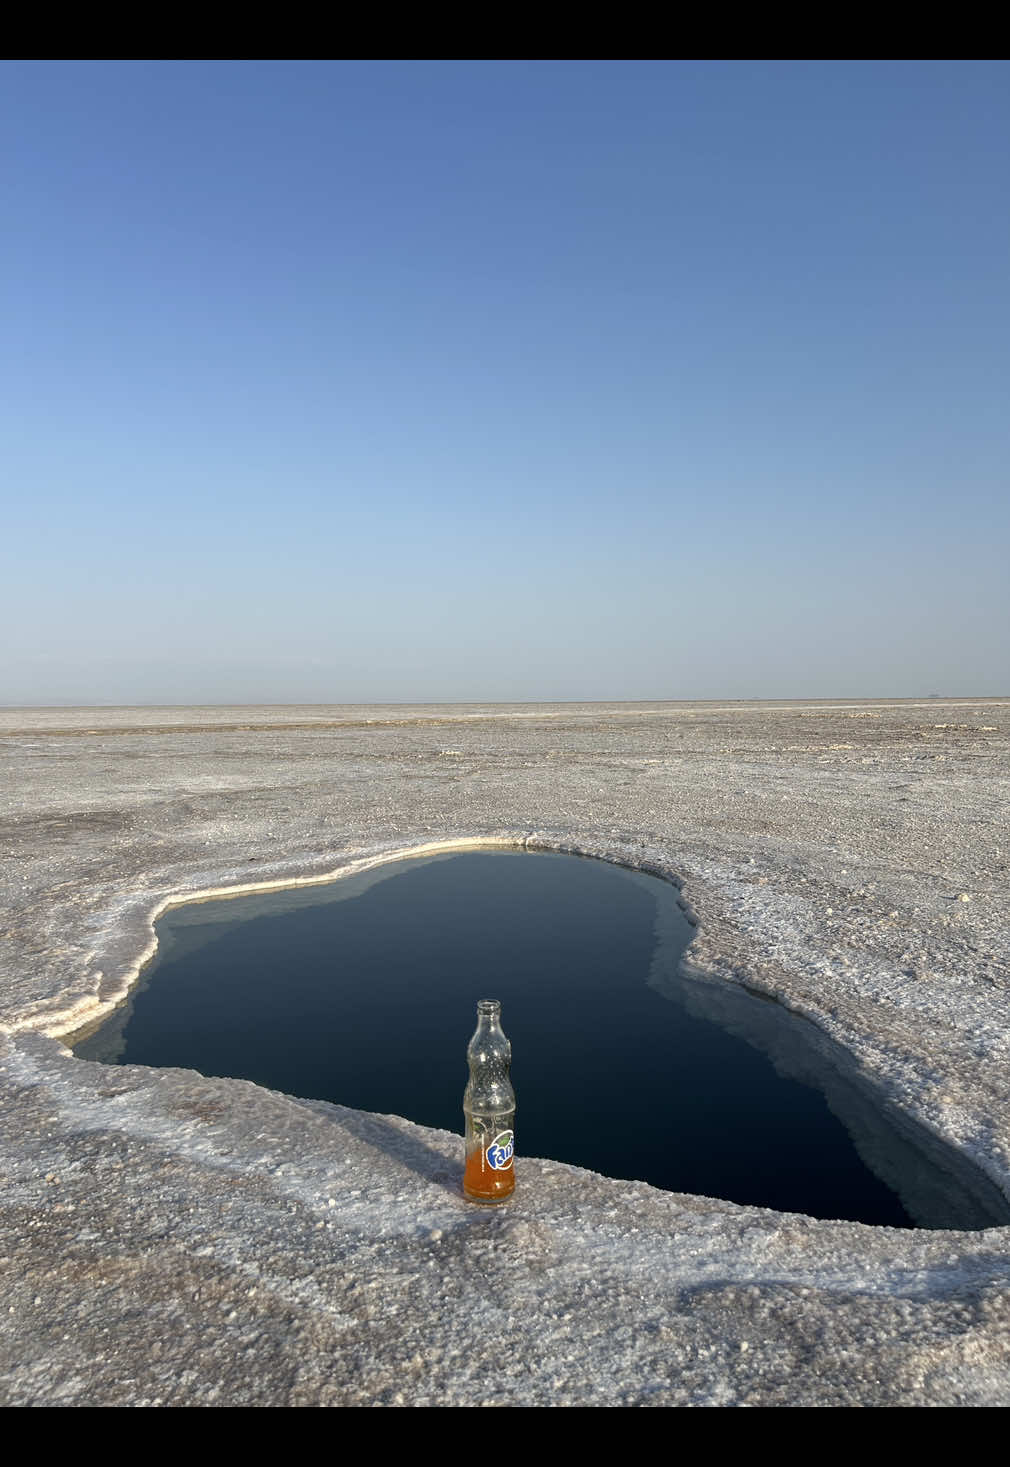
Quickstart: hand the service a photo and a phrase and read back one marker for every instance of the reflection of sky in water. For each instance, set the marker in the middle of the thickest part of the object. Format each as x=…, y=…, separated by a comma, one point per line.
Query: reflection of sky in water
x=362, y=991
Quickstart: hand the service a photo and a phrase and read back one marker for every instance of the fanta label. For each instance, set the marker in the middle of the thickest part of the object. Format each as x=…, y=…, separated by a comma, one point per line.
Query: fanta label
x=499, y=1153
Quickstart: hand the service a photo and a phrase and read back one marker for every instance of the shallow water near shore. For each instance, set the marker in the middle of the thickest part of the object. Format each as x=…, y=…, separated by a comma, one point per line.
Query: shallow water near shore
x=363, y=992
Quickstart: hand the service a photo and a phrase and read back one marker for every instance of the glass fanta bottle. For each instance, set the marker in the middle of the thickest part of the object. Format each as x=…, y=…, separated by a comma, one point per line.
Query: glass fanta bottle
x=489, y=1104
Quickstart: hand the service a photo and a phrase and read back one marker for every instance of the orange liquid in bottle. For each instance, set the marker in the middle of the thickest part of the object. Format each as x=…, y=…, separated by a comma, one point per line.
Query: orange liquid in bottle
x=482, y=1183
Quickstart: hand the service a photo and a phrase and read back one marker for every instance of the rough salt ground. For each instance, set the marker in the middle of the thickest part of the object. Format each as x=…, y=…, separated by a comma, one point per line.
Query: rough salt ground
x=177, y=1239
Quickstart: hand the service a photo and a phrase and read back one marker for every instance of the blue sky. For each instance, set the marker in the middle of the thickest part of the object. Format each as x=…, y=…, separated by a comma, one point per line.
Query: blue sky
x=346, y=382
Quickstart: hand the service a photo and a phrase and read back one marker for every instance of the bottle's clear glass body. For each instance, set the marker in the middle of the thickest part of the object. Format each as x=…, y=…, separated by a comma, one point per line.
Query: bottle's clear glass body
x=489, y=1104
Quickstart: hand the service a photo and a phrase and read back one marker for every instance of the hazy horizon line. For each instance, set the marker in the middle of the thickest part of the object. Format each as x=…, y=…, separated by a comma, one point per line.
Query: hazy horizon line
x=521, y=702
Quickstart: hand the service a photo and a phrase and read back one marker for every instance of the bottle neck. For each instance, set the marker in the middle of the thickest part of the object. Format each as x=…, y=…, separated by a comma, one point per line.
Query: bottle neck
x=489, y=1054
x=489, y=1044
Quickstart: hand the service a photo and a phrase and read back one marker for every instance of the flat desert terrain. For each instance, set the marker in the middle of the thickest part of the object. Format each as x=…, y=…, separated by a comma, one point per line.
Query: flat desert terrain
x=173, y=1239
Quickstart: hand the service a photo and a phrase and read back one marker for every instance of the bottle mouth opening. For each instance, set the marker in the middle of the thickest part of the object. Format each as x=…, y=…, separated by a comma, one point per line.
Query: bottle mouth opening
x=488, y=1005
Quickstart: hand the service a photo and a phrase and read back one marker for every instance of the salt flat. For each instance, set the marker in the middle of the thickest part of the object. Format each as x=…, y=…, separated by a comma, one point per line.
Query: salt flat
x=170, y=1238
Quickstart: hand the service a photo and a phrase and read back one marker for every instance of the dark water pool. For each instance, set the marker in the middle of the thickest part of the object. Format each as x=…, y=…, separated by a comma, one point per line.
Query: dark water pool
x=364, y=991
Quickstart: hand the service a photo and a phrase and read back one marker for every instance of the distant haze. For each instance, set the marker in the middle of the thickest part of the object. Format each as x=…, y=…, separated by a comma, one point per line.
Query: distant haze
x=512, y=381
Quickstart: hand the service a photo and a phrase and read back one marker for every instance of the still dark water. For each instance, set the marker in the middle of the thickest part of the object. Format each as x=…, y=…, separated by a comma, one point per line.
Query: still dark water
x=364, y=991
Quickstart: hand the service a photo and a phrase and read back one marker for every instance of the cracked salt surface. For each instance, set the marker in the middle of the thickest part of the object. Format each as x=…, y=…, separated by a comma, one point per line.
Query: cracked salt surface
x=170, y=1239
